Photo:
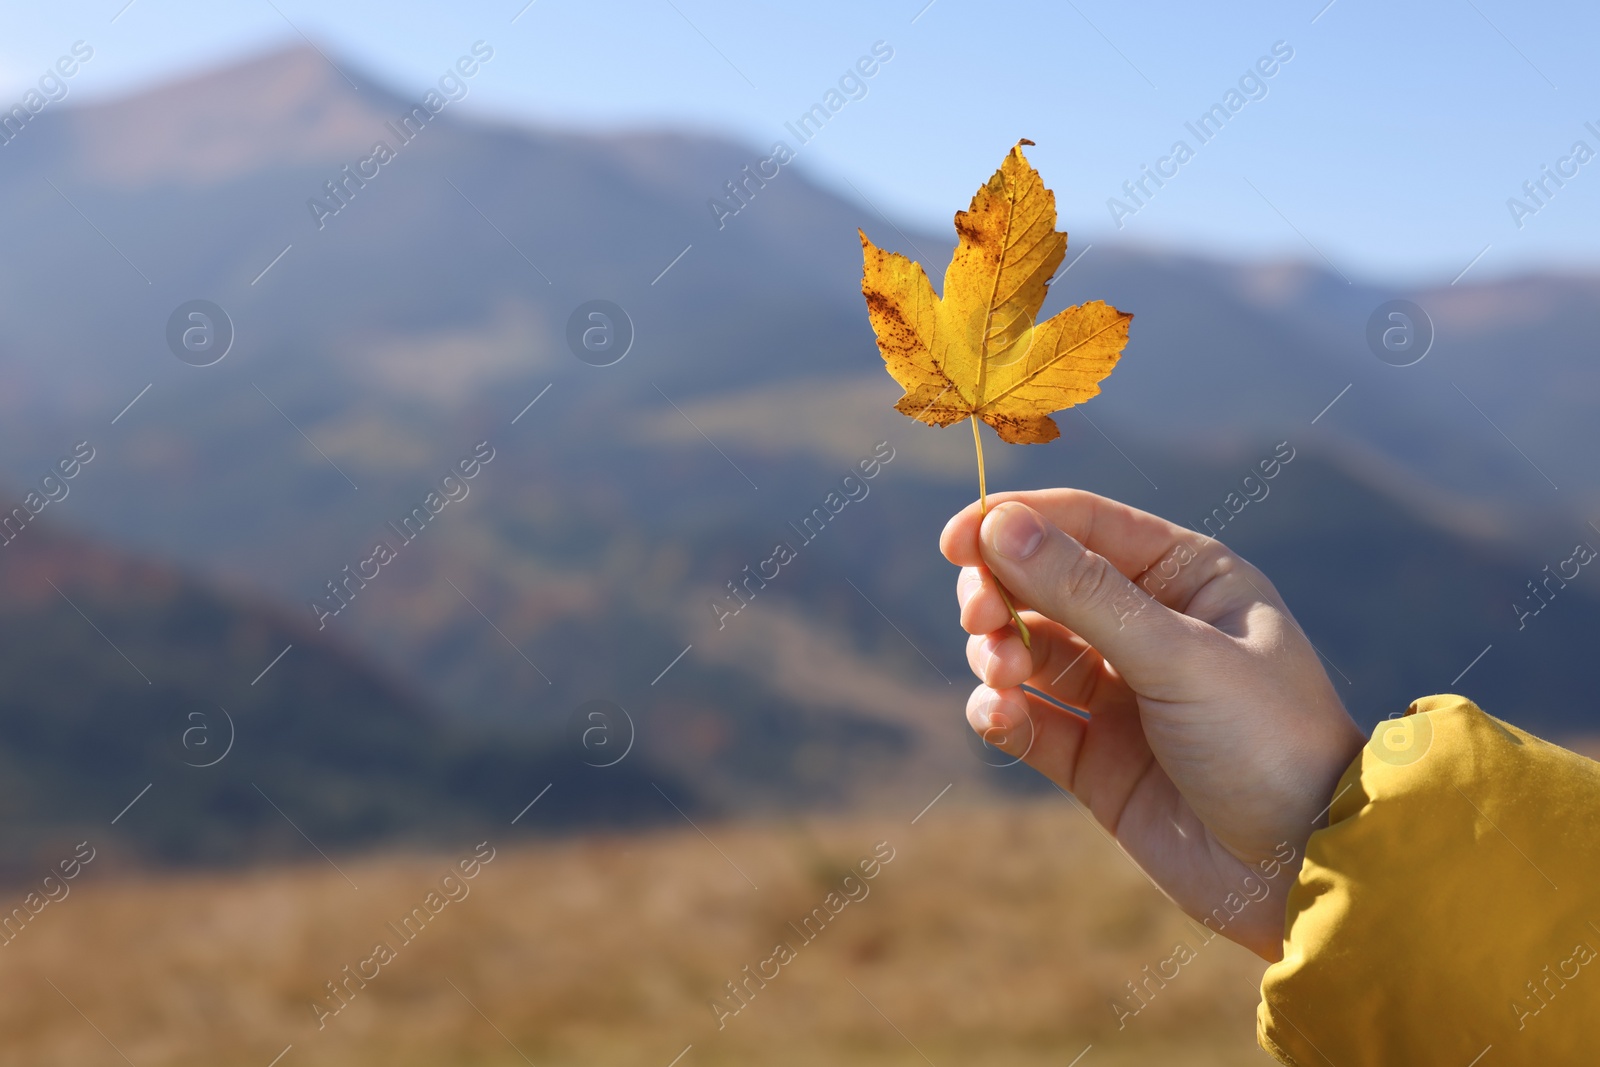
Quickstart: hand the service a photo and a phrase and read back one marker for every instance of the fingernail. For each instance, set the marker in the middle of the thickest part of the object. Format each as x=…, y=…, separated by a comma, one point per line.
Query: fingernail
x=1017, y=531
x=968, y=586
x=986, y=667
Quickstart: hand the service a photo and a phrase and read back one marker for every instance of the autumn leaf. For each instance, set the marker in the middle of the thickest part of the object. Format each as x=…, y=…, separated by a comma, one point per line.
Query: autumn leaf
x=977, y=353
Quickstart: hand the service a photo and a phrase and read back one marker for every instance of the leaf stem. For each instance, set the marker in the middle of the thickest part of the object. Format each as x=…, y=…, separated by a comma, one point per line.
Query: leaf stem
x=983, y=492
x=983, y=509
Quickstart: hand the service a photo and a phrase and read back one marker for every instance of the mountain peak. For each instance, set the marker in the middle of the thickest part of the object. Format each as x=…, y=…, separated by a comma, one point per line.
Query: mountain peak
x=288, y=106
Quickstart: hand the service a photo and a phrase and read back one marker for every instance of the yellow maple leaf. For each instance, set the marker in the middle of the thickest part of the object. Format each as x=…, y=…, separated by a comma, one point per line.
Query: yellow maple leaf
x=977, y=353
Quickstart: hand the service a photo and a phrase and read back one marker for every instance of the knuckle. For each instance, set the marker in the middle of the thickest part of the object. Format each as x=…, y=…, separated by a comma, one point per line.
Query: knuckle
x=1224, y=562
x=1086, y=579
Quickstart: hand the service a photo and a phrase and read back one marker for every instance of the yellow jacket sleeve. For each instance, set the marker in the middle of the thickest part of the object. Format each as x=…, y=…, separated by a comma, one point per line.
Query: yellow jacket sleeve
x=1450, y=911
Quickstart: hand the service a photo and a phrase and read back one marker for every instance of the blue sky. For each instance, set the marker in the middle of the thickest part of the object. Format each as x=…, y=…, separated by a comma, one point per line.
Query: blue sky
x=1388, y=145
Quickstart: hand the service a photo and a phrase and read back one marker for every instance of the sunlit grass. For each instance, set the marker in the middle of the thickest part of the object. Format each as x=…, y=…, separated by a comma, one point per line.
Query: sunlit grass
x=996, y=935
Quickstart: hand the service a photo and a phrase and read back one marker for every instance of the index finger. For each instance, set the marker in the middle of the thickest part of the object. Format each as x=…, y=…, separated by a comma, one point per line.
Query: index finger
x=1138, y=544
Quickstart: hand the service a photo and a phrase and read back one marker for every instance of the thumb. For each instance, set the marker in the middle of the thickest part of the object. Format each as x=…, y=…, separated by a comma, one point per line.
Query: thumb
x=1051, y=572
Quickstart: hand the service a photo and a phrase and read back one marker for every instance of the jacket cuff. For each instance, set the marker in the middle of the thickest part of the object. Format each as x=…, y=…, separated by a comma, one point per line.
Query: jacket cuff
x=1448, y=907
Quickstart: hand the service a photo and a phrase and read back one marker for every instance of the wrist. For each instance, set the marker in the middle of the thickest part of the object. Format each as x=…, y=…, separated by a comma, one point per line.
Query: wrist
x=1343, y=750
x=1265, y=937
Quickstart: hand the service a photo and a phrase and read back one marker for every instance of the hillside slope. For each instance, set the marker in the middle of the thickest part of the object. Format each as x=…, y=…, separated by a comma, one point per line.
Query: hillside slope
x=196, y=726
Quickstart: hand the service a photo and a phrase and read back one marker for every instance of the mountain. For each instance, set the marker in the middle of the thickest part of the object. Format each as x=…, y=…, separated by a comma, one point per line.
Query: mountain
x=452, y=272
x=378, y=347
x=171, y=722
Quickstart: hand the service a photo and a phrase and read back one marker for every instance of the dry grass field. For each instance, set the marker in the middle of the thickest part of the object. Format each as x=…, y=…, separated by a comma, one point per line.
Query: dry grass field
x=995, y=935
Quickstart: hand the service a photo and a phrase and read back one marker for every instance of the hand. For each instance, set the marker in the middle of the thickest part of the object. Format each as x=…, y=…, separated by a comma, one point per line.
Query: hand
x=1213, y=738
